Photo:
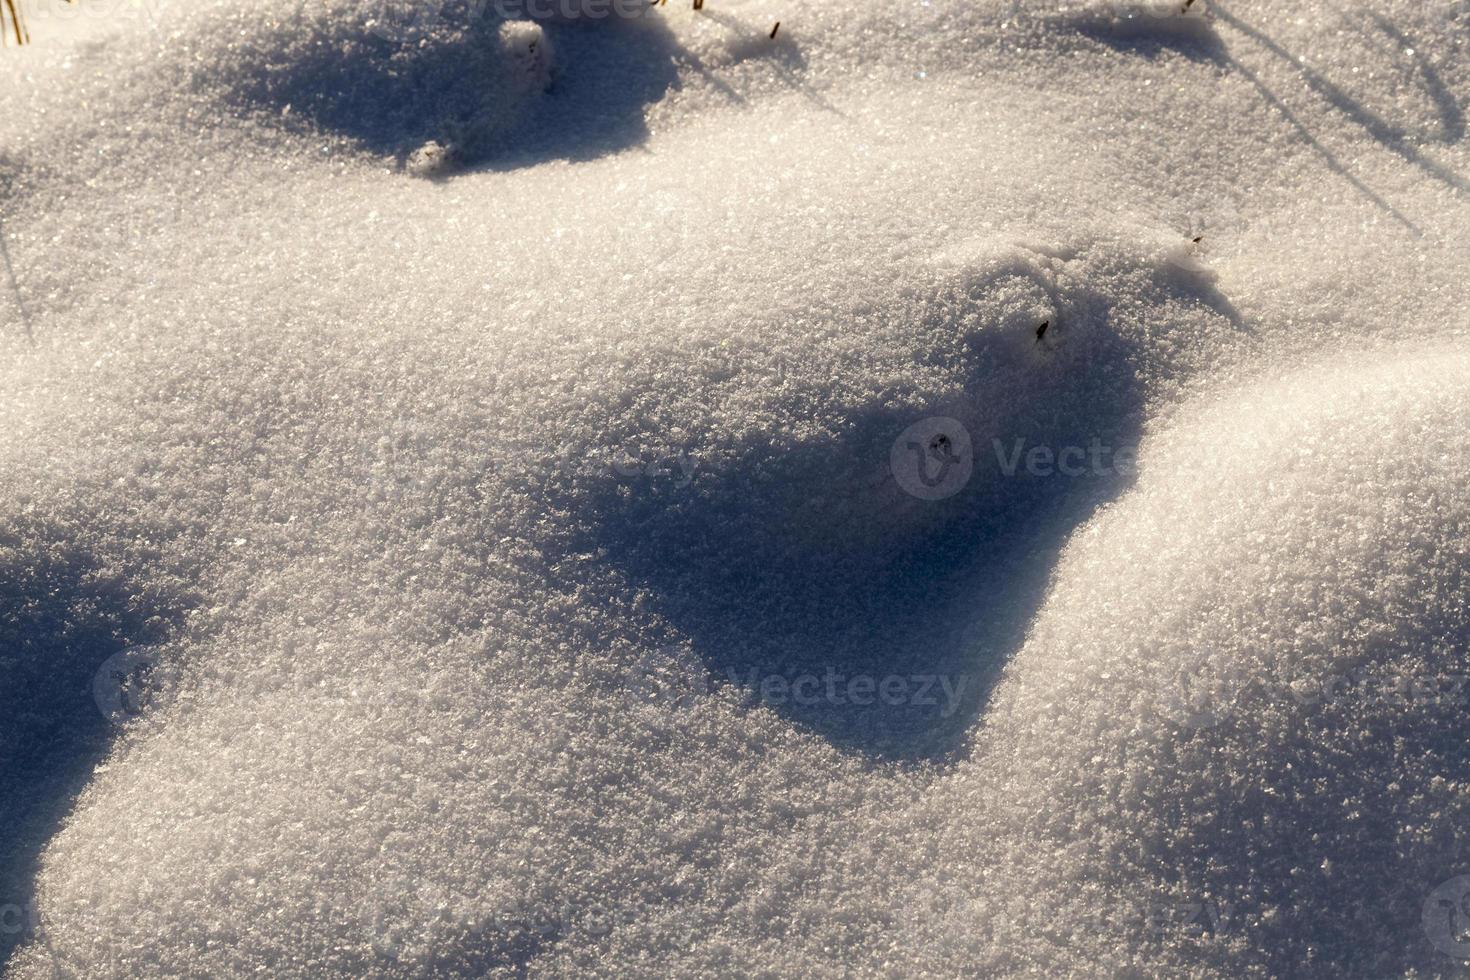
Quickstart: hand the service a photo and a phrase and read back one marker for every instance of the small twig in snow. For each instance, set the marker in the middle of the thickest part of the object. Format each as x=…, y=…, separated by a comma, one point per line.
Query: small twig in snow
x=21, y=35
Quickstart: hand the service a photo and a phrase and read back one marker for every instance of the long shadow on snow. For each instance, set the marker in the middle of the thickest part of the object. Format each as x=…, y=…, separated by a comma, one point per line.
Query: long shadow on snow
x=812, y=563
x=392, y=96
x=63, y=612
x=1152, y=37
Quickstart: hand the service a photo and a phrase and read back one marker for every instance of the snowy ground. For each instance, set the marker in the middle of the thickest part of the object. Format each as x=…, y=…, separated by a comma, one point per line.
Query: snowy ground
x=468, y=465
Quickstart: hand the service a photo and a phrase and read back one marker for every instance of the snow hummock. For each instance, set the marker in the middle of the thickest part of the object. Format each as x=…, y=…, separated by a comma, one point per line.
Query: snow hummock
x=669, y=542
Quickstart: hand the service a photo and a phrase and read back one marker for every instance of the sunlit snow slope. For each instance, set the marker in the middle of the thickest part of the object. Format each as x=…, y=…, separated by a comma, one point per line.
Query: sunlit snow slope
x=457, y=514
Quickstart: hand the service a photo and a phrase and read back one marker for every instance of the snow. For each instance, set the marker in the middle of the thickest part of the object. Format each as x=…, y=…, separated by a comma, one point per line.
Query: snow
x=661, y=543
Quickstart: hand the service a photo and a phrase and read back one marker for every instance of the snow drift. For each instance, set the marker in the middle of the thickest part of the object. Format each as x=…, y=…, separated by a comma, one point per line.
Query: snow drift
x=797, y=505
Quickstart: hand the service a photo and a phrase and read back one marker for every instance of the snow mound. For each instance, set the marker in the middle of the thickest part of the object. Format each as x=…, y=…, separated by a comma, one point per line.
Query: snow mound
x=799, y=505
x=465, y=78
x=360, y=75
x=1232, y=744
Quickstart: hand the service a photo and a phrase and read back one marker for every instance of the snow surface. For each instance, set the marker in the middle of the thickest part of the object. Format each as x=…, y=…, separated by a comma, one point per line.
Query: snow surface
x=480, y=427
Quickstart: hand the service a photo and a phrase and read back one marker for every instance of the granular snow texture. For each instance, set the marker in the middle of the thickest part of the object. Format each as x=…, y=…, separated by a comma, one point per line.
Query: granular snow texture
x=454, y=517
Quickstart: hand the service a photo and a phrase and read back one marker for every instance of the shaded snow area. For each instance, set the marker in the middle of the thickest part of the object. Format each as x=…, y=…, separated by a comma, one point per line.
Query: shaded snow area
x=949, y=489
